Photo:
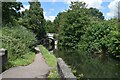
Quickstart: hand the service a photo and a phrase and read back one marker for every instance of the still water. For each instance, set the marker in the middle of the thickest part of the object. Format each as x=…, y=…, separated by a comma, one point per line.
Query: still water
x=85, y=66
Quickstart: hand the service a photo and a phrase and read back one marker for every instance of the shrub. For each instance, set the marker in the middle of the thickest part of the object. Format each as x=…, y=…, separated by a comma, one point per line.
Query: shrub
x=101, y=38
x=18, y=42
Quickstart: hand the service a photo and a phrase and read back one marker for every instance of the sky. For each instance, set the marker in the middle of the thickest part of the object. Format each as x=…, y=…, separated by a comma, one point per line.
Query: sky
x=53, y=7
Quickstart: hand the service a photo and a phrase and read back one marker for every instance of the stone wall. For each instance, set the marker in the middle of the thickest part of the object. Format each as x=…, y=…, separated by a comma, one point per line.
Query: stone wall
x=63, y=70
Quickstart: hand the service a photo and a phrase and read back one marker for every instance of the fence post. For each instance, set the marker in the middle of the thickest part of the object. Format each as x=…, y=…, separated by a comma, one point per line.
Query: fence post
x=3, y=59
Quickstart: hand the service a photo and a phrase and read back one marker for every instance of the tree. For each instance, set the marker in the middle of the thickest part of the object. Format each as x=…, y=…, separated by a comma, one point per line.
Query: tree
x=77, y=5
x=93, y=39
x=33, y=19
x=49, y=27
x=101, y=37
x=72, y=24
x=10, y=11
x=76, y=8
x=95, y=12
x=59, y=21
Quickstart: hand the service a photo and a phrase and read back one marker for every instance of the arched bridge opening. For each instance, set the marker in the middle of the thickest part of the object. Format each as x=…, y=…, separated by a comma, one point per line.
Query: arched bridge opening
x=49, y=42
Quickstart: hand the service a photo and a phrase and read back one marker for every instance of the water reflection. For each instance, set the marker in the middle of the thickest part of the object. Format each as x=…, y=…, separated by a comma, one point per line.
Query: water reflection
x=87, y=66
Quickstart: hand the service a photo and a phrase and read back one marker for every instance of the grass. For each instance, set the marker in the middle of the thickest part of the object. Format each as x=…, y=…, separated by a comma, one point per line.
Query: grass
x=24, y=61
x=50, y=58
x=51, y=61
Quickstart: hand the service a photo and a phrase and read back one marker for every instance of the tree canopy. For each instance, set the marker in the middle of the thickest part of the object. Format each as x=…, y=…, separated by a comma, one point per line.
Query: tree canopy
x=73, y=23
x=49, y=27
x=10, y=11
x=85, y=29
x=33, y=19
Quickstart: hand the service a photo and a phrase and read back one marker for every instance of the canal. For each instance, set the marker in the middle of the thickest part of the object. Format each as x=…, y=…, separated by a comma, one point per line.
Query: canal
x=89, y=67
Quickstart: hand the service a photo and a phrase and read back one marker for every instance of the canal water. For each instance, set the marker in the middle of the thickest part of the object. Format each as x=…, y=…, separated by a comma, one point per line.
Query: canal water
x=85, y=66
x=88, y=67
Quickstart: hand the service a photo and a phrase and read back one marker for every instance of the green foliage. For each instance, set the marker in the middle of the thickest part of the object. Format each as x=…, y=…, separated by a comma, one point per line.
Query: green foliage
x=93, y=41
x=59, y=21
x=101, y=38
x=18, y=41
x=10, y=11
x=27, y=59
x=73, y=23
x=77, y=15
x=49, y=27
x=86, y=30
x=95, y=12
x=33, y=19
x=77, y=5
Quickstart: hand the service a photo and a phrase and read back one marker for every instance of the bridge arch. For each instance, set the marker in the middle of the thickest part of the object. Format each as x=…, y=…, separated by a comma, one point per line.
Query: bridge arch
x=51, y=45
x=49, y=41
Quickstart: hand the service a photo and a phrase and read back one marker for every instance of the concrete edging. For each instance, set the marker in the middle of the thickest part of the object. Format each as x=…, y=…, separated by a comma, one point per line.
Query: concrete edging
x=63, y=70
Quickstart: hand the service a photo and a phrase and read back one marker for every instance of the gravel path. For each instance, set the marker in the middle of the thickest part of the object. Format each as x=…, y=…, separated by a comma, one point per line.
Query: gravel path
x=38, y=69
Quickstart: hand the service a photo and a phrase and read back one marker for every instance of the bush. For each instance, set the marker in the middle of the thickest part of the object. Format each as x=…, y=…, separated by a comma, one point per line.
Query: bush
x=101, y=38
x=18, y=42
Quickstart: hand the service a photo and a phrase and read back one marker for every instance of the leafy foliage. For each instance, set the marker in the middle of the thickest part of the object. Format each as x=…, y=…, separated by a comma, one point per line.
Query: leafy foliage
x=101, y=38
x=10, y=11
x=86, y=30
x=59, y=21
x=49, y=27
x=73, y=23
x=33, y=19
x=95, y=12
x=96, y=41
x=18, y=41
